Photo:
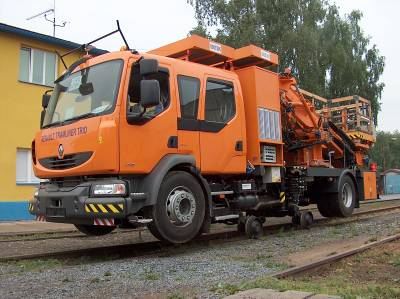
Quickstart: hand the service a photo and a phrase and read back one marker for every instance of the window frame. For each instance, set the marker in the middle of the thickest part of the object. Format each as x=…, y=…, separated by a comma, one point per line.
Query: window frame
x=165, y=69
x=30, y=66
x=196, y=114
x=224, y=82
x=31, y=178
x=106, y=112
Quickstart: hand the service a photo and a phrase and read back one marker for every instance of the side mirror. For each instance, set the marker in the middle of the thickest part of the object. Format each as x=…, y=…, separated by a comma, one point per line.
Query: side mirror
x=148, y=66
x=45, y=100
x=42, y=115
x=86, y=89
x=149, y=93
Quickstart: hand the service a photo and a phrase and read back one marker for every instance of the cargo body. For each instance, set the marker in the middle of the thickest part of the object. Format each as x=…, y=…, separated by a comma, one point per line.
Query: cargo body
x=187, y=135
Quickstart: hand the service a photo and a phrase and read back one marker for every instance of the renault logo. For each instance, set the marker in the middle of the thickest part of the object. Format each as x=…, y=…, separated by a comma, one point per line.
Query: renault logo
x=60, y=151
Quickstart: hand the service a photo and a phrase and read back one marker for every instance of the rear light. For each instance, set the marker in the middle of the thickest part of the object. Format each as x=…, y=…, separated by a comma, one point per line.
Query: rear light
x=33, y=152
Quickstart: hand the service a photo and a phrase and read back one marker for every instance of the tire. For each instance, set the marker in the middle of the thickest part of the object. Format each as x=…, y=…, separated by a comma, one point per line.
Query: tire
x=94, y=230
x=339, y=204
x=178, y=214
x=324, y=206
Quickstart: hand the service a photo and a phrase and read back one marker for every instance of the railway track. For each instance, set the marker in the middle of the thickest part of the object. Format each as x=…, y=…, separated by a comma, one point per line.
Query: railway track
x=52, y=235
x=56, y=235
x=299, y=270
x=152, y=247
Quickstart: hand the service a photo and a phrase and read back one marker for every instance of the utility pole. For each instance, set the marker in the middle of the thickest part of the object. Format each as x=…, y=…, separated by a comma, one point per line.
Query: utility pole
x=53, y=21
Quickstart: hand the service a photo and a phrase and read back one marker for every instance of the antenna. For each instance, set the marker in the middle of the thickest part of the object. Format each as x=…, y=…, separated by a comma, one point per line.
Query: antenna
x=47, y=12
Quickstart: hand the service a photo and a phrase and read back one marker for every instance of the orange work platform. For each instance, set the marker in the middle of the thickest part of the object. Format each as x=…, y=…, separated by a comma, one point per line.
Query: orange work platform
x=201, y=50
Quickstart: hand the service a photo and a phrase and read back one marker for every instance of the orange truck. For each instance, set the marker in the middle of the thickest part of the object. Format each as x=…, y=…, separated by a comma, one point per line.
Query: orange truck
x=186, y=135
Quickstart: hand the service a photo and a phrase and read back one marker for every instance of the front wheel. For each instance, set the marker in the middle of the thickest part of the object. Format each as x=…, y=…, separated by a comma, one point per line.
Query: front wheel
x=94, y=230
x=178, y=214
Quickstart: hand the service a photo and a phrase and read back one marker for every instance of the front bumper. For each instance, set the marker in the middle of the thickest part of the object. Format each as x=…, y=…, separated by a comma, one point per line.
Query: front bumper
x=76, y=205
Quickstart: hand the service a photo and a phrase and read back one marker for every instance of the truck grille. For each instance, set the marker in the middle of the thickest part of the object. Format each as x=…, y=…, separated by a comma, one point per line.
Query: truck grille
x=69, y=161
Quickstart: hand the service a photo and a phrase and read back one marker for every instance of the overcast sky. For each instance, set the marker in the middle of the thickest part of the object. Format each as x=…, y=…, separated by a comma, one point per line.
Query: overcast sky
x=148, y=24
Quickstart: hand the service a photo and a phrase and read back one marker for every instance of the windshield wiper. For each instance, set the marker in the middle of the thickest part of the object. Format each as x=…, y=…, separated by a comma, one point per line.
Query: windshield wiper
x=56, y=123
x=72, y=119
x=85, y=115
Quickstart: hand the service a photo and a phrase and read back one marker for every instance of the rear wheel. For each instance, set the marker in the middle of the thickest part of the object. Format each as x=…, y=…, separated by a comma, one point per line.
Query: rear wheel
x=340, y=204
x=94, y=230
x=344, y=201
x=179, y=212
x=324, y=206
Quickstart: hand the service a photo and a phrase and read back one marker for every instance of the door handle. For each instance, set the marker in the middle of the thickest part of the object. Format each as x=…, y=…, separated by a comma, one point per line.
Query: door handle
x=239, y=146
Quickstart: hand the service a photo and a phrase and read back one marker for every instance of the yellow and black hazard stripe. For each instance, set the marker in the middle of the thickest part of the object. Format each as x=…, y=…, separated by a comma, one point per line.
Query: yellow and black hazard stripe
x=282, y=197
x=104, y=208
x=30, y=207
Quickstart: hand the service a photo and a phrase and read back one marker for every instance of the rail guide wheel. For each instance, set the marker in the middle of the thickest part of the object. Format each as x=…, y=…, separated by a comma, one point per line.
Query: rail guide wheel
x=254, y=227
x=241, y=225
x=304, y=219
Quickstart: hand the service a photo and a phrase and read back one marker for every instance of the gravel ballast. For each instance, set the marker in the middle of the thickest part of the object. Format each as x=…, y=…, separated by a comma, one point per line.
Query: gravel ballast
x=190, y=270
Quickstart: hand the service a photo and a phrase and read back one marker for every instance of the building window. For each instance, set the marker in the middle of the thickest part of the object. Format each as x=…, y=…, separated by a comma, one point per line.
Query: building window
x=220, y=101
x=37, y=66
x=24, y=173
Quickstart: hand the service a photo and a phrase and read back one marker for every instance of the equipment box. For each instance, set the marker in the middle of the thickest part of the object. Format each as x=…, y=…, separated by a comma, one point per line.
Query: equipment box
x=260, y=89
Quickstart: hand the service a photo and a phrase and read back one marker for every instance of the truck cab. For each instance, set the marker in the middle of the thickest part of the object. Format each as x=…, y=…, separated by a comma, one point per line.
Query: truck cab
x=118, y=123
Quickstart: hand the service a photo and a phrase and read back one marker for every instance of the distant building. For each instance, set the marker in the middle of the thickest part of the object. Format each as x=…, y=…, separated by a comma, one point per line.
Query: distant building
x=390, y=182
x=28, y=67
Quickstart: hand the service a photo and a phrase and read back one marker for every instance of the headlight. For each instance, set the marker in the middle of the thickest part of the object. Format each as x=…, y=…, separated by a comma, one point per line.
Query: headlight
x=36, y=194
x=109, y=189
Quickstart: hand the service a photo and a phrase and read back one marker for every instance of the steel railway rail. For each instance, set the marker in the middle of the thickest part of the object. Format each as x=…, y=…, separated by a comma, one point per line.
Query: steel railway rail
x=299, y=270
x=56, y=235
x=152, y=247
x=53, y=235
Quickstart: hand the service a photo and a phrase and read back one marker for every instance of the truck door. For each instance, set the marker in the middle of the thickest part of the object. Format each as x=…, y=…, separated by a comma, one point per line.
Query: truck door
x=188, y=133
x=144, y=143
x=221, y=130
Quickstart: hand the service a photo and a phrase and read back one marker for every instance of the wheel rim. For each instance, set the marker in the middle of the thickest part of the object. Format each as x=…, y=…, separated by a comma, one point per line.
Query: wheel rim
x=181, y=206
x=347, y=195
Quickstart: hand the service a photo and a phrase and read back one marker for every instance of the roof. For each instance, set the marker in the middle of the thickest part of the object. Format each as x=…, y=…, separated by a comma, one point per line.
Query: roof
x=201, y=50
x=391, y=171
x=46, y=38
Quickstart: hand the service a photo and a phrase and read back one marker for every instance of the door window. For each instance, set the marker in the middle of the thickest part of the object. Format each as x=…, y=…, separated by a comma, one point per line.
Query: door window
x=189, y=91
x=220, y=101
x=134, y=92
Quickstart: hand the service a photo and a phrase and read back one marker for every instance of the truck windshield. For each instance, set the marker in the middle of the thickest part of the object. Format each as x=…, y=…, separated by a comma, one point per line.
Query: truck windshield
x=89, y=92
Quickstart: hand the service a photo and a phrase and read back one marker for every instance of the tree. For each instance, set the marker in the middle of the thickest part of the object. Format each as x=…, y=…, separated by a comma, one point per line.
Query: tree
x=330, y=55
x=386, y=150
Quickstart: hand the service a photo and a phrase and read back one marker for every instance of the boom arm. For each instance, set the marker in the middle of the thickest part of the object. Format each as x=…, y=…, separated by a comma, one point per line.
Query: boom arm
x=310, y=138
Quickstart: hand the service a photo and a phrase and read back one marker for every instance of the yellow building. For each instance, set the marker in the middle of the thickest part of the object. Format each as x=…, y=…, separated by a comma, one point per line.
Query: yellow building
x=28, y=67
